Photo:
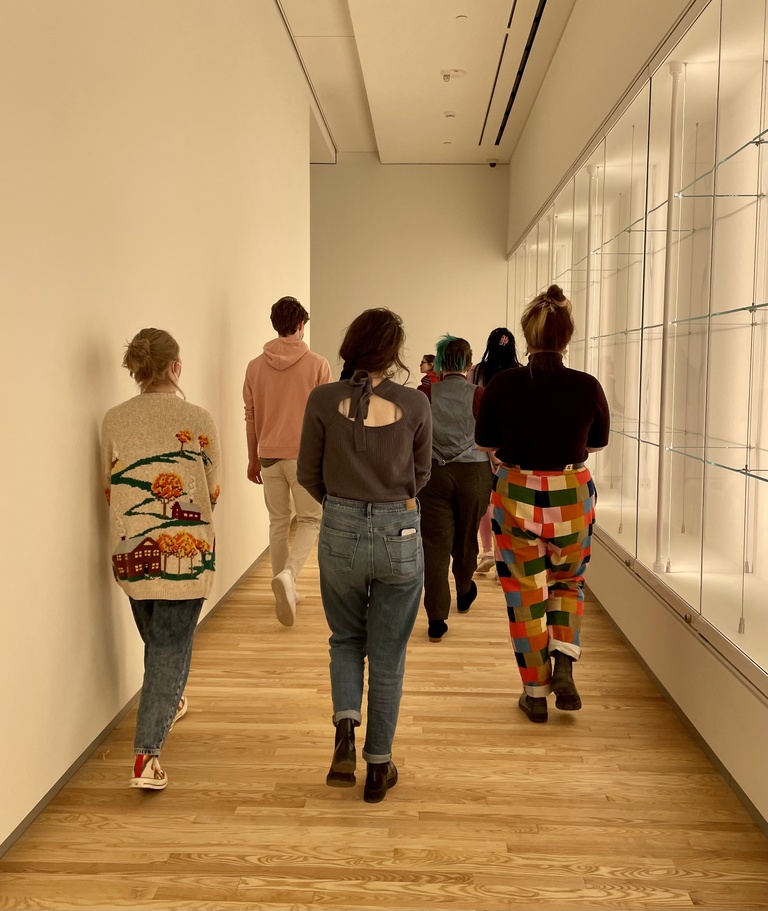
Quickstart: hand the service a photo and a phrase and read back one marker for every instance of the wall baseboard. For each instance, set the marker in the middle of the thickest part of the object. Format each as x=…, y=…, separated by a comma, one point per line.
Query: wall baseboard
x=97, y=742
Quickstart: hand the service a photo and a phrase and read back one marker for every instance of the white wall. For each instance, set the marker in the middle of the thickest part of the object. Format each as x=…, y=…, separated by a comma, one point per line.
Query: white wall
x=151, y=173
x=605, y=45
x=426, y=241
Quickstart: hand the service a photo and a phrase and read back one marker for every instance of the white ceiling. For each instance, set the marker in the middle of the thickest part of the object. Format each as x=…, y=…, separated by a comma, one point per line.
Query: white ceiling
x=377, y=70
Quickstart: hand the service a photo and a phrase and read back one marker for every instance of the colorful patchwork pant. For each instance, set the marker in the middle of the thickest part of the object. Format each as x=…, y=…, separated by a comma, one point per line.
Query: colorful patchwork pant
x=542, y=522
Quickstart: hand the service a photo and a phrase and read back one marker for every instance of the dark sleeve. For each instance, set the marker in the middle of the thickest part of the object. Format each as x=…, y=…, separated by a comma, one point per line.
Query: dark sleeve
x=425, y=386
x=486, y=426
x=422, y=447
x=599, y=432
x=476, y=401
x=309, y=467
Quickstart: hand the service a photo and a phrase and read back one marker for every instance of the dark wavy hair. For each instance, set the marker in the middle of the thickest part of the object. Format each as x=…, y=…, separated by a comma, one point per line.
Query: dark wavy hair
x=374, y=342
x=286, y=315
x=500, y=354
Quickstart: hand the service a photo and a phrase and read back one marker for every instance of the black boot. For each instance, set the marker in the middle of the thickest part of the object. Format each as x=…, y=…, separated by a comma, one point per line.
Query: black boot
x=567, y=696
x=464, y=602
x=342, y=771
x=535, y=707
x=380, y=778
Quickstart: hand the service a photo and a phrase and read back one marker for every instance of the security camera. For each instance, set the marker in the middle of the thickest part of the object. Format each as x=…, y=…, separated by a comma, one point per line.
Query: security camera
x=492, y=162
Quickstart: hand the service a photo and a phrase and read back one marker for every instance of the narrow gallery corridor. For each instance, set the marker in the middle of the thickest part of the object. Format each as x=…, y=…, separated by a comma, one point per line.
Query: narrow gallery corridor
x=613, y=807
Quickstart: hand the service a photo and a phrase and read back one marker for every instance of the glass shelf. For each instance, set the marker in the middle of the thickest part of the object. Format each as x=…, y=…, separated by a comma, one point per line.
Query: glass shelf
x=752, y=308
x=758, y=140
x=701, y=454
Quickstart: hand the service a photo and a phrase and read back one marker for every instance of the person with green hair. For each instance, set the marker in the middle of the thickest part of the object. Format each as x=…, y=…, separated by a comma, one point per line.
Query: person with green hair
x=456, y=496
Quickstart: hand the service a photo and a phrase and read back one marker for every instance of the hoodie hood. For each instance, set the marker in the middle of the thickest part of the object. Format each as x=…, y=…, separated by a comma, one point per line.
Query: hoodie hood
x=282, y=353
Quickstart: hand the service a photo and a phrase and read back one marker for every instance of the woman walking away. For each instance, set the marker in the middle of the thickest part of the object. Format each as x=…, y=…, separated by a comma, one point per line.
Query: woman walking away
x=160, y=460
x=456, y=496
x=542, y=421
x=365, y=454
x=500, y=354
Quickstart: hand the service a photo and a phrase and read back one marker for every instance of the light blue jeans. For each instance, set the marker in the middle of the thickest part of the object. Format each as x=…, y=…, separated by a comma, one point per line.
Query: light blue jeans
x=167, y=629
x=371, y=578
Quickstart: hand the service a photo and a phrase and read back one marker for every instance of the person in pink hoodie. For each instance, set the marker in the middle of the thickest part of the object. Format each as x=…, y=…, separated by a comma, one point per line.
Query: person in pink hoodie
x=277, y=385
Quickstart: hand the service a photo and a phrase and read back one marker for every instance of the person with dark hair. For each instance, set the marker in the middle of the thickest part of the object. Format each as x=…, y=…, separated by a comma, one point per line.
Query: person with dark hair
x=456, y=495
x=365, y=454
x=542, y=421
x=427, y=368
x=160, y=469
x=277, y=384
x=500, y=354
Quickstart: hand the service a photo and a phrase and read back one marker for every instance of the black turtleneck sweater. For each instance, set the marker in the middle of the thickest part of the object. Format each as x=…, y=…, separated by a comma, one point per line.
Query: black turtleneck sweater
x=543, y=419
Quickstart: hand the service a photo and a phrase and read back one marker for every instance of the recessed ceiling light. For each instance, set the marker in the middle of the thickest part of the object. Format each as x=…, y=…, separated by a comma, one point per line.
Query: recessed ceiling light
x=447, y=142
x=462, y=18
x=450, y=113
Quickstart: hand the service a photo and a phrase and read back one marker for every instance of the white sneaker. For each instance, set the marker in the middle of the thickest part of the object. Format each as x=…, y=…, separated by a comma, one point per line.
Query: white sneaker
x=148, y=775
x=486, y=563
x=285, y=597
x=181, y=711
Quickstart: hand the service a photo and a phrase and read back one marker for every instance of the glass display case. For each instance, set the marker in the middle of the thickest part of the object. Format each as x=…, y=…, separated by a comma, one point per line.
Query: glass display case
x=660, y=240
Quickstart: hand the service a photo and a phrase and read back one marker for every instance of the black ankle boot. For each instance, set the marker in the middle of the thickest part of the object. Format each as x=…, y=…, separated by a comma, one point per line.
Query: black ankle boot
x=567, y=696
x=380, y=778
x=464, y=602
x=342, y=771
x=534, y=707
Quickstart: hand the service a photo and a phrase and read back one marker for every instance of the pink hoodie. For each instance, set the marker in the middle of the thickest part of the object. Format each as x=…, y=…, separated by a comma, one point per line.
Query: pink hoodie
x=277, y=385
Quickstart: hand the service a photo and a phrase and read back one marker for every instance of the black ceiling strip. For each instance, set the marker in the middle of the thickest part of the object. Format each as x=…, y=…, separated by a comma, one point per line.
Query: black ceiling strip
x=493, y=88
x=521, y=70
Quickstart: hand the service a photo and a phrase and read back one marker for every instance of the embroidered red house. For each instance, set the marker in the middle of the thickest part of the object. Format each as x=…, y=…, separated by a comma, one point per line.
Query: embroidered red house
x=185, y=509
x=136, y=557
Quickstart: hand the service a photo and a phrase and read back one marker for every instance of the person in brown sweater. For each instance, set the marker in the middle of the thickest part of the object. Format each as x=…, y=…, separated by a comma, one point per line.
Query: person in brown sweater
x=365, y=453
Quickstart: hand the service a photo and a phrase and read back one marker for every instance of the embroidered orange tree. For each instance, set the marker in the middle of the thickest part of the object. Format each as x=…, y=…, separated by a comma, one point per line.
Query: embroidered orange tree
x=184, y=545
x=215, y=495
x=165, y=546
x=204, y=441
x=167, y=487
x=183, y=436
x=203, y=547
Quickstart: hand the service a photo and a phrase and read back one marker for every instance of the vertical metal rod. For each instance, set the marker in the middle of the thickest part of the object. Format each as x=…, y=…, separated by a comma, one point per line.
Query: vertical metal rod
x=592, y=172
x=662, y=490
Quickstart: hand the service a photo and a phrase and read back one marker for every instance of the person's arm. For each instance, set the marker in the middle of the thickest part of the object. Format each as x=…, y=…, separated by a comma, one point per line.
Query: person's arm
x=309, y=466
x=212, y=462
x=599, y=432
x=254, y=464
x=486, y=427
x=325, y=373
x=106, y=461
x=422, y=449
x=425, y=386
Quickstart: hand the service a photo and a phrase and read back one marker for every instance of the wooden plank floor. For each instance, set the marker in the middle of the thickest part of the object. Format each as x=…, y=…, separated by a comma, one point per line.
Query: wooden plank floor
x=612, y=807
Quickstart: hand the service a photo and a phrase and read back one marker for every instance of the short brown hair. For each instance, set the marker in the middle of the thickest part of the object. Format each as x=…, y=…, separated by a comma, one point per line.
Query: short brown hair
x=548, y=321
x=286, y=315
x=374, y=342
x=453, y=355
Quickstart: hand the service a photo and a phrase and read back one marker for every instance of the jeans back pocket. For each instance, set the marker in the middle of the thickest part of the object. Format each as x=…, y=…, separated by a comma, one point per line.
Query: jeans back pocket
x=404, y=553
x=336, y=549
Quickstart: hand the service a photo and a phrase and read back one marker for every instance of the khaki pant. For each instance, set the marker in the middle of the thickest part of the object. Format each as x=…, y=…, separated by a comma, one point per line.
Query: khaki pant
x=280, y=485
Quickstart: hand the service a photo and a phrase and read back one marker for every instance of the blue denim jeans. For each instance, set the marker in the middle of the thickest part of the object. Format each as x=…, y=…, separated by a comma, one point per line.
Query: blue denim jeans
x=371, y=579
x=167, y=629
